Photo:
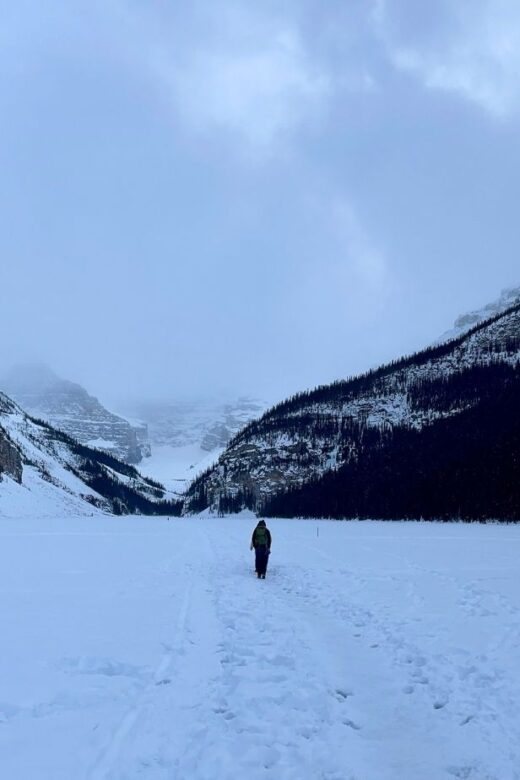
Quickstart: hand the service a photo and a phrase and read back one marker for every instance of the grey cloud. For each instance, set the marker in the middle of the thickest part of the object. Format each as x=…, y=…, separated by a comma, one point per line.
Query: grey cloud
x=231, y=196
x=469, y=48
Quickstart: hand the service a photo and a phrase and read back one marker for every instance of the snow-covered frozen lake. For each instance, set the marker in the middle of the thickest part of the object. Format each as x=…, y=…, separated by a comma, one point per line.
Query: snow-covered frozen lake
x=138, y=648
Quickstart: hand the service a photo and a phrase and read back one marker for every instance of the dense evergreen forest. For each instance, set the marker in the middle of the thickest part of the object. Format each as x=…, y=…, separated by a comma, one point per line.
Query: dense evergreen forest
x=125, y=499
x=466, y=466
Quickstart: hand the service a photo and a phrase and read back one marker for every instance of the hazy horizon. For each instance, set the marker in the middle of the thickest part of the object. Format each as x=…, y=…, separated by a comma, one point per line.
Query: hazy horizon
x=225, y=199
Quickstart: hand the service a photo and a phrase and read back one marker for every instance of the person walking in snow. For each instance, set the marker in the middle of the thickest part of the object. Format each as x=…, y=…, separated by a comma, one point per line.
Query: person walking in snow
x=261, y=544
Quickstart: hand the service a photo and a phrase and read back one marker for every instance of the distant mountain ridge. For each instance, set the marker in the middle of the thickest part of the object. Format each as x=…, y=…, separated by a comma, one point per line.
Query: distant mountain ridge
x=69, y=407
x=322, y=431
x=209, y=424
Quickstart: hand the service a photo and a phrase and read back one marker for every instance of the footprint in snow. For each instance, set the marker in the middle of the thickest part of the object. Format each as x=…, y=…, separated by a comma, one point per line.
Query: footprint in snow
x=226, y=714
x=460, y=772
x=342, y=695
x=106, y=667
x=307, y=732
x=352, y=725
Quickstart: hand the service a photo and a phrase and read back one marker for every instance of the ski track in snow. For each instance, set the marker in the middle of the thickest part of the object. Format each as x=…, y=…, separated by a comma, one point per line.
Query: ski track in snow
x=141, y=648
x=111, y=754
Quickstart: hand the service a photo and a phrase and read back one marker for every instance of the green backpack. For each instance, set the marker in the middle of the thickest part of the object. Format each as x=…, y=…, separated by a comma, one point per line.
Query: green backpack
x=261, y=536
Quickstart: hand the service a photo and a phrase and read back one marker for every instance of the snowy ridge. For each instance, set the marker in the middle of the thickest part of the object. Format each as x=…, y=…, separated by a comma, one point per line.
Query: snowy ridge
x=465, y=322
x=52, y=472
x=67, y=406
x=314, y=432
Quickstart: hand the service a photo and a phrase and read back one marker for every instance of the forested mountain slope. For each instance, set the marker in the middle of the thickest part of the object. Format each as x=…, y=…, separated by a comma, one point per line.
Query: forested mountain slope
x=335, y=426
x=461, y=467
x=40, y=465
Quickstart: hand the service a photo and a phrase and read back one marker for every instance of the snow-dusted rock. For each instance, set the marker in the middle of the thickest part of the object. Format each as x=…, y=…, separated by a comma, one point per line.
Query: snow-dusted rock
x=69, y=407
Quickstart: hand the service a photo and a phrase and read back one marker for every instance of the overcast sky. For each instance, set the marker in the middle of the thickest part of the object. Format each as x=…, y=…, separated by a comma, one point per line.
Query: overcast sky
x=255, y=197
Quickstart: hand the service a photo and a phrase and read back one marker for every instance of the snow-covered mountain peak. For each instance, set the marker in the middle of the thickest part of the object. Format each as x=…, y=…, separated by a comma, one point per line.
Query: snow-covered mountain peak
x=27, y=376
x=68, y=406
x=465, y=322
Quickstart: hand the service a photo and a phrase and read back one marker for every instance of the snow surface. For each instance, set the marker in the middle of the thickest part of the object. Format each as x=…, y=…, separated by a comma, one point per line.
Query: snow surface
x=17, y=501
x=102, y=444
x=145, y=648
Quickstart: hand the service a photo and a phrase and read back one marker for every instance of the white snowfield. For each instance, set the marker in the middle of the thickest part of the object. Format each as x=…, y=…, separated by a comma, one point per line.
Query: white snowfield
x=145, y=649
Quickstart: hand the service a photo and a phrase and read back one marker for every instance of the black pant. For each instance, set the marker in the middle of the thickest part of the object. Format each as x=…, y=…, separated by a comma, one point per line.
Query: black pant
x=261, y=558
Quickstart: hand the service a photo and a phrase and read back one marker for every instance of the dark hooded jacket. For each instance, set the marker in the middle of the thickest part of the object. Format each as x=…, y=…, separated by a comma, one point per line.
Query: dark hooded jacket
x=261, y=536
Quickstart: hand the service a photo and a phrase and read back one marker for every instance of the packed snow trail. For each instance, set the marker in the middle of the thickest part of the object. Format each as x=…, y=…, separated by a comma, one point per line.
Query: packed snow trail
x=145, y=648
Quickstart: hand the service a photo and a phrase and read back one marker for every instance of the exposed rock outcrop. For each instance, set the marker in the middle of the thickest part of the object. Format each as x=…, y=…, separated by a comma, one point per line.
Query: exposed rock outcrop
x=10, y=457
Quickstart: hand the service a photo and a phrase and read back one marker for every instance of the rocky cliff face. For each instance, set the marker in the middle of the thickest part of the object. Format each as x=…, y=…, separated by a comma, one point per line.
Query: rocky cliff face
x=315, y=432
x=10, y=456
x=10, y=460
x=232, y=418
x=69, y=407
